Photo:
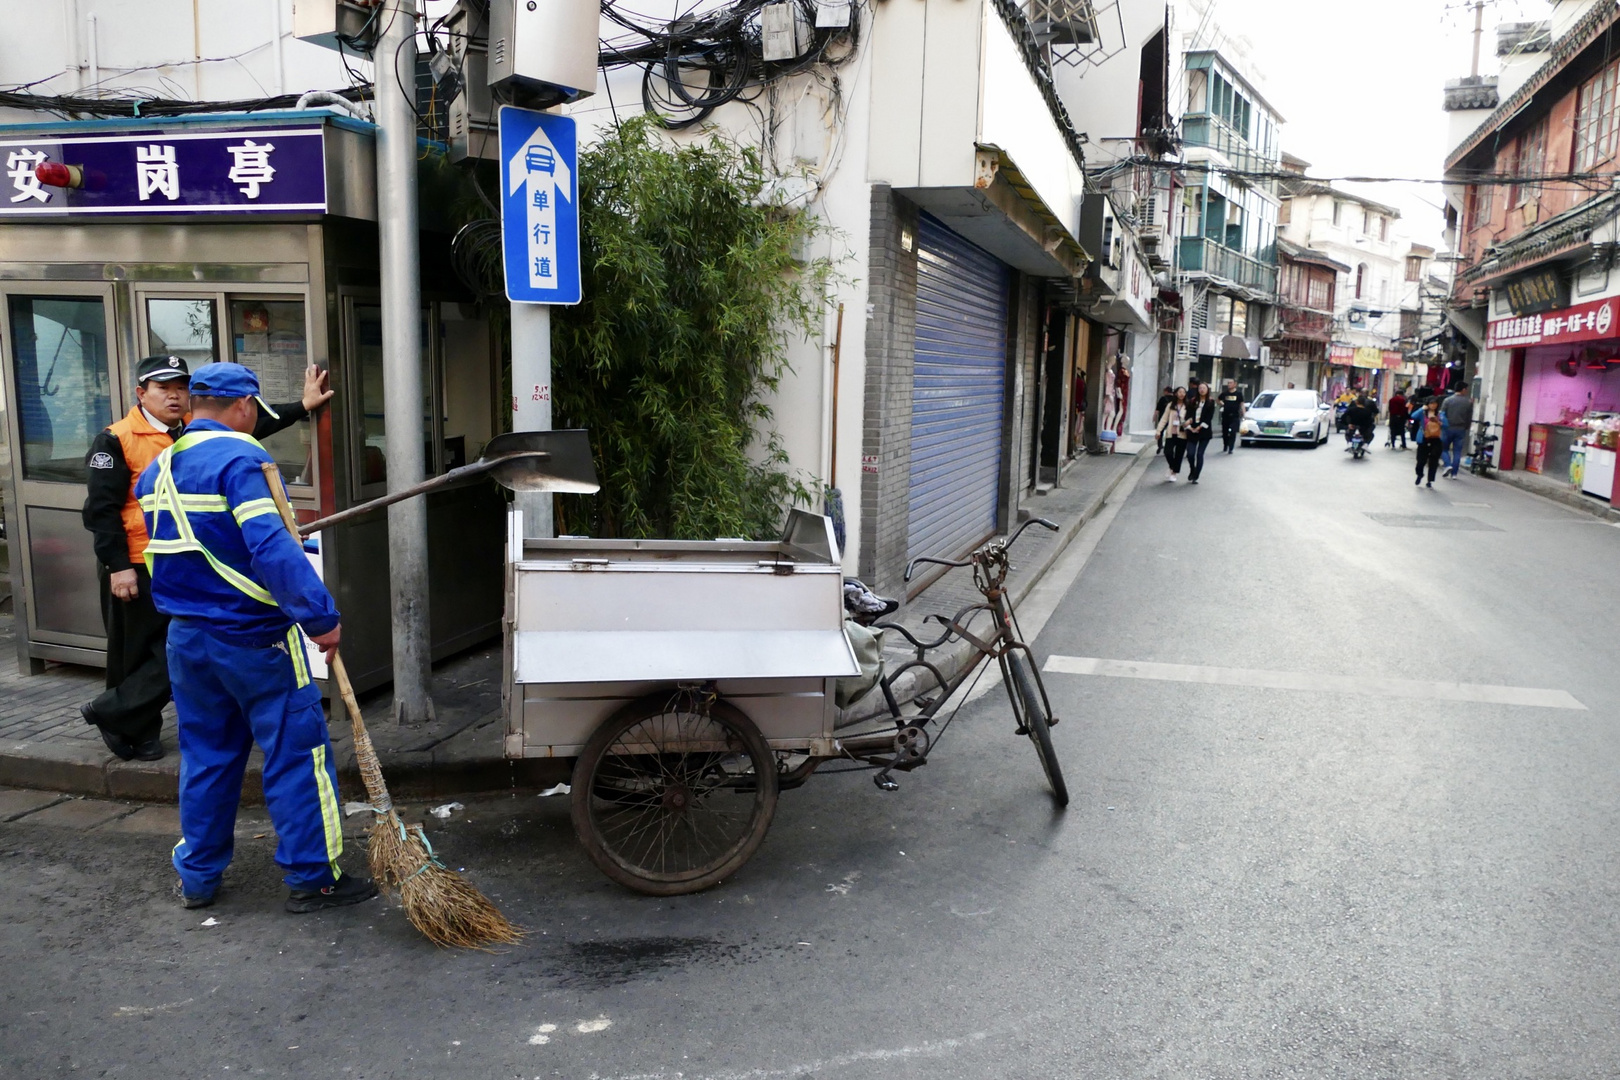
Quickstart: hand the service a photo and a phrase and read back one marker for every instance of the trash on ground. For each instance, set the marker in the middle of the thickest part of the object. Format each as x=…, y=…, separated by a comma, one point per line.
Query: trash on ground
x=210, y=921
x=444, y=812
x=559, y=789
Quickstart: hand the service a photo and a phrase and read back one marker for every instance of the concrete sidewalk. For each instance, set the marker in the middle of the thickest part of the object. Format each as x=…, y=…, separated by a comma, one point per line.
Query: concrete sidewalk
x=45, y=743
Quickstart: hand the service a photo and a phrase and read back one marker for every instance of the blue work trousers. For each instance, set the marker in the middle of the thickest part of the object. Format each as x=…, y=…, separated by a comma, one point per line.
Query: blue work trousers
x=229, y=697
x=1451, y=448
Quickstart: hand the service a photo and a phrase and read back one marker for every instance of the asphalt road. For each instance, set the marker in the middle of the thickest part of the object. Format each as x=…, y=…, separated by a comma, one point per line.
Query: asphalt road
x=1266, y=881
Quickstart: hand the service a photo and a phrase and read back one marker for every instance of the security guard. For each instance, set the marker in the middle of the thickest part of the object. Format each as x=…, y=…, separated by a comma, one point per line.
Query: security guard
x=129, y=713
x=241, y=597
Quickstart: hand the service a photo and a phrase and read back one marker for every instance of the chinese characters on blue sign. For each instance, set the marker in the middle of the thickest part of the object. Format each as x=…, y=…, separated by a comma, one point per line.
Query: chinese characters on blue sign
x=539, y=207
x=169, y=172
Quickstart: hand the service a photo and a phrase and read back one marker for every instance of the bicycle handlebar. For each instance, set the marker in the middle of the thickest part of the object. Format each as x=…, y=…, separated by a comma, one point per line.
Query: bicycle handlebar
x=959, y=563
x=930, y=559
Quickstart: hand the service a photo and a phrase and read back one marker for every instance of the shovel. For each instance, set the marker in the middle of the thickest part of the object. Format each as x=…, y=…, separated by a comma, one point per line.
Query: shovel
x=518, y=461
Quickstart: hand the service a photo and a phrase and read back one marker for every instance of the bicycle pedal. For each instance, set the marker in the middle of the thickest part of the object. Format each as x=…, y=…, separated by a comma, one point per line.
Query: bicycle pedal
x=1051, y=721
x=1021, y=730
x=885, y=782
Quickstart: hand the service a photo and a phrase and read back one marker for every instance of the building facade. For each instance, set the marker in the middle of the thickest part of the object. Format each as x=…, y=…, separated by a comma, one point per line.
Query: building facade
x=1532, y=215
x=927, y=138
x=1377, y=319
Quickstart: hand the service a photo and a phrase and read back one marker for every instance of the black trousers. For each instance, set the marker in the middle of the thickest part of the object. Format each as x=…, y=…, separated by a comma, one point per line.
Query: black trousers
x=1196, y=447
x=137, y=662
x=1229, y=432
x=1174, y=447
x=1397, y=431
x=1428, y=453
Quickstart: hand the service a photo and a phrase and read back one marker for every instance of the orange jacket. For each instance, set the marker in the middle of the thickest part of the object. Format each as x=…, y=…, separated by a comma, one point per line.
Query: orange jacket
x=142, y=444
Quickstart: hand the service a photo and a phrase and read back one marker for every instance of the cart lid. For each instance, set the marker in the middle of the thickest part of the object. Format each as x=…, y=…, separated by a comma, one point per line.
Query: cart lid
x=573, y=656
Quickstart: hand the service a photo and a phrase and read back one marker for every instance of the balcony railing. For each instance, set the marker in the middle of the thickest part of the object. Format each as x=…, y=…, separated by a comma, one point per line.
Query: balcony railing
x=1218, y=260
x=1207, y=129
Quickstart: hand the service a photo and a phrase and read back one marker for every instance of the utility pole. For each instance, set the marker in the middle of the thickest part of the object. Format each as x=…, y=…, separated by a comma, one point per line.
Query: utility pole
x=395, y=66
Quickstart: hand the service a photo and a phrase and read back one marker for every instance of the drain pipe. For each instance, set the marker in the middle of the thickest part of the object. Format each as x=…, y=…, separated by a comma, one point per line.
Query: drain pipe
x=326, y=97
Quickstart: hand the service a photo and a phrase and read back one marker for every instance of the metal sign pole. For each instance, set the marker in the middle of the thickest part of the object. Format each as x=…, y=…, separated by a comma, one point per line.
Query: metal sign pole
x=395, y=60
x=531, y=408
x=540, y=241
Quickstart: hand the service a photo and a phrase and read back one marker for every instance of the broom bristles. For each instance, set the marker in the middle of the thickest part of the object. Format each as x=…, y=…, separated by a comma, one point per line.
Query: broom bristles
x=446, y=907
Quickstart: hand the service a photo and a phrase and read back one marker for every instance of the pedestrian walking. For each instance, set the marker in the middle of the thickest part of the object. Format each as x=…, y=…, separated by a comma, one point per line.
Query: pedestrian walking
x=129, y=712
x=241, y=598
x=1456, y=415
x=1398, y=413
x=1199, y=429
x=1429, y=440
x=1171, y=418
x=1232, y=409
x=1166, y=396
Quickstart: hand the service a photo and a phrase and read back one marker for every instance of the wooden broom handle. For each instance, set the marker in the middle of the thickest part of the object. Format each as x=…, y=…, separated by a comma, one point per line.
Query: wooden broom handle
x=340, y=674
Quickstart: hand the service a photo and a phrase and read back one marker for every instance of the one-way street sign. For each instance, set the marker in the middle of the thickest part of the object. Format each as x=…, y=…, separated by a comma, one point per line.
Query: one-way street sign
x=539, y=206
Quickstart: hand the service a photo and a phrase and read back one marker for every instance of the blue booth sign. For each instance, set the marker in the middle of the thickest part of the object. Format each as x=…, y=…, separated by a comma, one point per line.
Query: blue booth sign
x=254, y=171
x=539, y=206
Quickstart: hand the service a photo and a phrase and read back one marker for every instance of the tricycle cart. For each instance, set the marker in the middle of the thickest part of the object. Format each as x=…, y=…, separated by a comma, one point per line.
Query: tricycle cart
x=692, y=681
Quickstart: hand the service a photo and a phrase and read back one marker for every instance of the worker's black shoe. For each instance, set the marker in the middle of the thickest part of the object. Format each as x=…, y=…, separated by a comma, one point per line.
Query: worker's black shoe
x=189, y=902
x=115, y=742
x=150, y=750
x=349, y=889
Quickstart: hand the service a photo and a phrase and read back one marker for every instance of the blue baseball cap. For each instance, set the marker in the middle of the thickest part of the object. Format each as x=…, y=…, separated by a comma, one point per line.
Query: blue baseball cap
x=228, y=381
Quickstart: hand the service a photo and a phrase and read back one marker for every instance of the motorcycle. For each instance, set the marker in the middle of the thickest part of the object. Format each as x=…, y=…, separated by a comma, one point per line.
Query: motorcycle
x=1357, y=438
x=1483, y=459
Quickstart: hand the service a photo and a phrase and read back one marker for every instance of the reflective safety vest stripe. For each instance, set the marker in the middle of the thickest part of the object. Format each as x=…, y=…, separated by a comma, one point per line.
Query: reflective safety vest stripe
x=166, y=498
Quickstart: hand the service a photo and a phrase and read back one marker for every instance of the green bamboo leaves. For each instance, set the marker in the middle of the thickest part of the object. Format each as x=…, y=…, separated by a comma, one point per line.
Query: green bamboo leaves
x=692, y=287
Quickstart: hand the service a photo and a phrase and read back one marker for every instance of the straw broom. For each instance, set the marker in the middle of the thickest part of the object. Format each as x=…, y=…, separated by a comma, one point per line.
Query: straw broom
x=446, y=907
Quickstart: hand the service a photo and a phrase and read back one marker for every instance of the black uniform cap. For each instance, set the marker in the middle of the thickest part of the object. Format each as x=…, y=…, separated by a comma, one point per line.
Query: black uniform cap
x=161, y=369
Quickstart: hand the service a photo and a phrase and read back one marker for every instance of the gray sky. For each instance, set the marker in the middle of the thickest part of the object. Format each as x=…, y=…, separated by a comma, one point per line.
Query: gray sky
x=1360, y=84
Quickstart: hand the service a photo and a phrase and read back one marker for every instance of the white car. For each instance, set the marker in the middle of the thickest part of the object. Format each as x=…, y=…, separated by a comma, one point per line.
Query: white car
x=1291, y=416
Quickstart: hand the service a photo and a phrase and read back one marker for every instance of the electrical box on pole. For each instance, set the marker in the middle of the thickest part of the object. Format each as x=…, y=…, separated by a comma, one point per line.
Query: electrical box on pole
x=543, y=52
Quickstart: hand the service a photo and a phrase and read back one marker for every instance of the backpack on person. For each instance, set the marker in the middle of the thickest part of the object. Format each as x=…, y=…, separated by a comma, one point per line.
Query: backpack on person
x=1431, y=426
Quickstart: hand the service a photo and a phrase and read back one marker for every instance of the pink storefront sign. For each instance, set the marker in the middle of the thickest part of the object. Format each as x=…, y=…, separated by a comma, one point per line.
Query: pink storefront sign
x=1591, y=321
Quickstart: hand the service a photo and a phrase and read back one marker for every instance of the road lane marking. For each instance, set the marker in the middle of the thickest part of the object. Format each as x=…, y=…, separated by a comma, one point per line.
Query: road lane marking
x=1301, y=680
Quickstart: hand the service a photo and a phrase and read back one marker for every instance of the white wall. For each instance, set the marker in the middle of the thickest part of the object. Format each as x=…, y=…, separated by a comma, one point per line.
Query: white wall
x=802, y=133
x=152, y=48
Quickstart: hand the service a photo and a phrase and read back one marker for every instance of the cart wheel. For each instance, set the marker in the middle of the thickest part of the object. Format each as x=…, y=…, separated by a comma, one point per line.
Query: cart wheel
x=671, y=797
x=1040, y=729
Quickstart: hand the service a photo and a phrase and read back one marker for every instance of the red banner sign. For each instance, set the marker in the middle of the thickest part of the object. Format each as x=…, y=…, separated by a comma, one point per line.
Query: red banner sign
x=1582, y=322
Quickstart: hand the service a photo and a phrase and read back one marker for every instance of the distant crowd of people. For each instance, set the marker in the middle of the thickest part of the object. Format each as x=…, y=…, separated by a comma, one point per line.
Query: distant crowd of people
x=1435, y=422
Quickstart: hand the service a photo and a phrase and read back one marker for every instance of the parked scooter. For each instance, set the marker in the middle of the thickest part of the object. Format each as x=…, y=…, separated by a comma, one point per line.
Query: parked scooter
x=1483, y=459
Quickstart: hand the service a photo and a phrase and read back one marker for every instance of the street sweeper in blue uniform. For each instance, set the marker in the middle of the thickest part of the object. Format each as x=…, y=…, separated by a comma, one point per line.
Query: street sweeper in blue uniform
x=242, y=598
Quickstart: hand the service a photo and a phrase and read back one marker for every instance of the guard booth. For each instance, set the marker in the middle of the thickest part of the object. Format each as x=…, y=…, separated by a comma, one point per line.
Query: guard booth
x=242, y=237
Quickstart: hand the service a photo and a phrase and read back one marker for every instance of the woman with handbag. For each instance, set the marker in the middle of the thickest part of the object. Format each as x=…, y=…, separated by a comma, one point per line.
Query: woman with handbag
x=1198, y=429
x=1169, y=429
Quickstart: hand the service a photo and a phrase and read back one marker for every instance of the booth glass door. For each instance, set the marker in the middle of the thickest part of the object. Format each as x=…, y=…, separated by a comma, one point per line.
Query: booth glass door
x=64, y=390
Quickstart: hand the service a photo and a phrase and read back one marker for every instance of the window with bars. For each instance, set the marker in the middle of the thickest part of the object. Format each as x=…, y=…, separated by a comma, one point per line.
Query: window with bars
x=1597, y=123
x=1481, y=216
x=1530, y=160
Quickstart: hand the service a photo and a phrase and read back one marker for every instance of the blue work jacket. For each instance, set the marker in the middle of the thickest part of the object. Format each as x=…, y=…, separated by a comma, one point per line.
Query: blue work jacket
x=220, y=554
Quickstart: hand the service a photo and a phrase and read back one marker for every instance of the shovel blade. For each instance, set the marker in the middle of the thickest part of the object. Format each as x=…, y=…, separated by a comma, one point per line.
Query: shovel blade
x=565, y=464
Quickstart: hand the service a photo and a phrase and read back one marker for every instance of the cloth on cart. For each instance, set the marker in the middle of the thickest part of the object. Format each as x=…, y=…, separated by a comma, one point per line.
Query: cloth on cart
x=868, y=646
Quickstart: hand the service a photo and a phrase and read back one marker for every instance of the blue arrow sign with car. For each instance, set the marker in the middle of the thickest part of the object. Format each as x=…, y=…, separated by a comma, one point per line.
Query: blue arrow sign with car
x=539, y=206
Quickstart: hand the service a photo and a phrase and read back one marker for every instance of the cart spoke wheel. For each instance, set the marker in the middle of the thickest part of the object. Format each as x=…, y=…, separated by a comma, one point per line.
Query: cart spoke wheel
x=668, y=799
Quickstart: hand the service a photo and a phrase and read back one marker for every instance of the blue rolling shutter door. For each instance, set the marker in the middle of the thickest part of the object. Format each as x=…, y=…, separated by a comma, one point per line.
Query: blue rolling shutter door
x=957, y=394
